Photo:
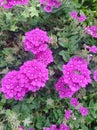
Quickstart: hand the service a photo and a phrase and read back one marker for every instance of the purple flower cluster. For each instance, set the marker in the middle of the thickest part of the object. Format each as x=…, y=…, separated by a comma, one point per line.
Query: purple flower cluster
x=12, y=87
x=68, y=114
x=63, y=89
x=45, y=56
x=83, y=111
x=92, y=30
x=74, y=102
x=31, y=77
x=10, y=3
x=35, y=41
x=50, y=4
x=92, y=49
x=76, y=75
x=80, y=18
x=32, y=74
x=95, y=75
x=54, y=127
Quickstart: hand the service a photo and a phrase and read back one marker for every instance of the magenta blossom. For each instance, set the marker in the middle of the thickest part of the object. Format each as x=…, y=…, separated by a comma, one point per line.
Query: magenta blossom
x=12, y=87
x=95, y=75
x=74, y=102
x=45, y=57
x=83, y=111
x=54, y=127
x=92, y=49
x=73, y=14
x=36, y=74
x=92, y=30
x=63, y=89
x=35, y=41
x=11, y=3
x=68, y=114
x=80, y=18
x=76, y=73
x=50, y=4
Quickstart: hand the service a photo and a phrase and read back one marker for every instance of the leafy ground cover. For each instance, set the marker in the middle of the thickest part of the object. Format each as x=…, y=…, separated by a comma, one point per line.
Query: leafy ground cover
x=60, y=96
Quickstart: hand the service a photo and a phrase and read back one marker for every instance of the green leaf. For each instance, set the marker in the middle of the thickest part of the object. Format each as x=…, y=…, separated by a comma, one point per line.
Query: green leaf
x=65, y=55
x=63, y=42
x=84, y=127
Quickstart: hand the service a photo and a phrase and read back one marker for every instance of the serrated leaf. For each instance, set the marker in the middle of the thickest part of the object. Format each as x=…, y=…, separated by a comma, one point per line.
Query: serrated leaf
x=65, y=55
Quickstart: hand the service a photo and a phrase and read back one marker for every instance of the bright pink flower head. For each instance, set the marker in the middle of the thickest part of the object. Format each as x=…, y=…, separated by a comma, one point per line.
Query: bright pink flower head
x=1, y=2
x=83, y=111
x=80, y=18
x=64, y=127
x=63, y=89
x=93, y=49
x=10, y=3
x=50, y=4
x=68, y=114
x=73, y=14
x=45, y=57
x=92, y=30
x=22, y=127
x=36, y=74
x=95, y=75
x=48, y=9
x=35, y=40
x=76, y=73
x=12, y=87
x=54, y=127
x=74, y=102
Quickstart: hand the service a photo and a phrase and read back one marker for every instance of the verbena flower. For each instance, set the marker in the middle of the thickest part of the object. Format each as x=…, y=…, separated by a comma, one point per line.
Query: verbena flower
x=36, y=74
x=11, y=3
x=45, y=57
x=54, y=127
x=68, y=114
x=50, y=4
x=48, y=9
x=73, y=14
x=35, y=40
x=1, y=2
x=83, y=111
x=63, y=89
x=12, y=87
x=80, y=18
x=64, y=127
x=92, y=30
x=21, y=128
x=92, y=49
x=31, y=77
x=76, y=73
x=74, y=102
x=95, y=75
